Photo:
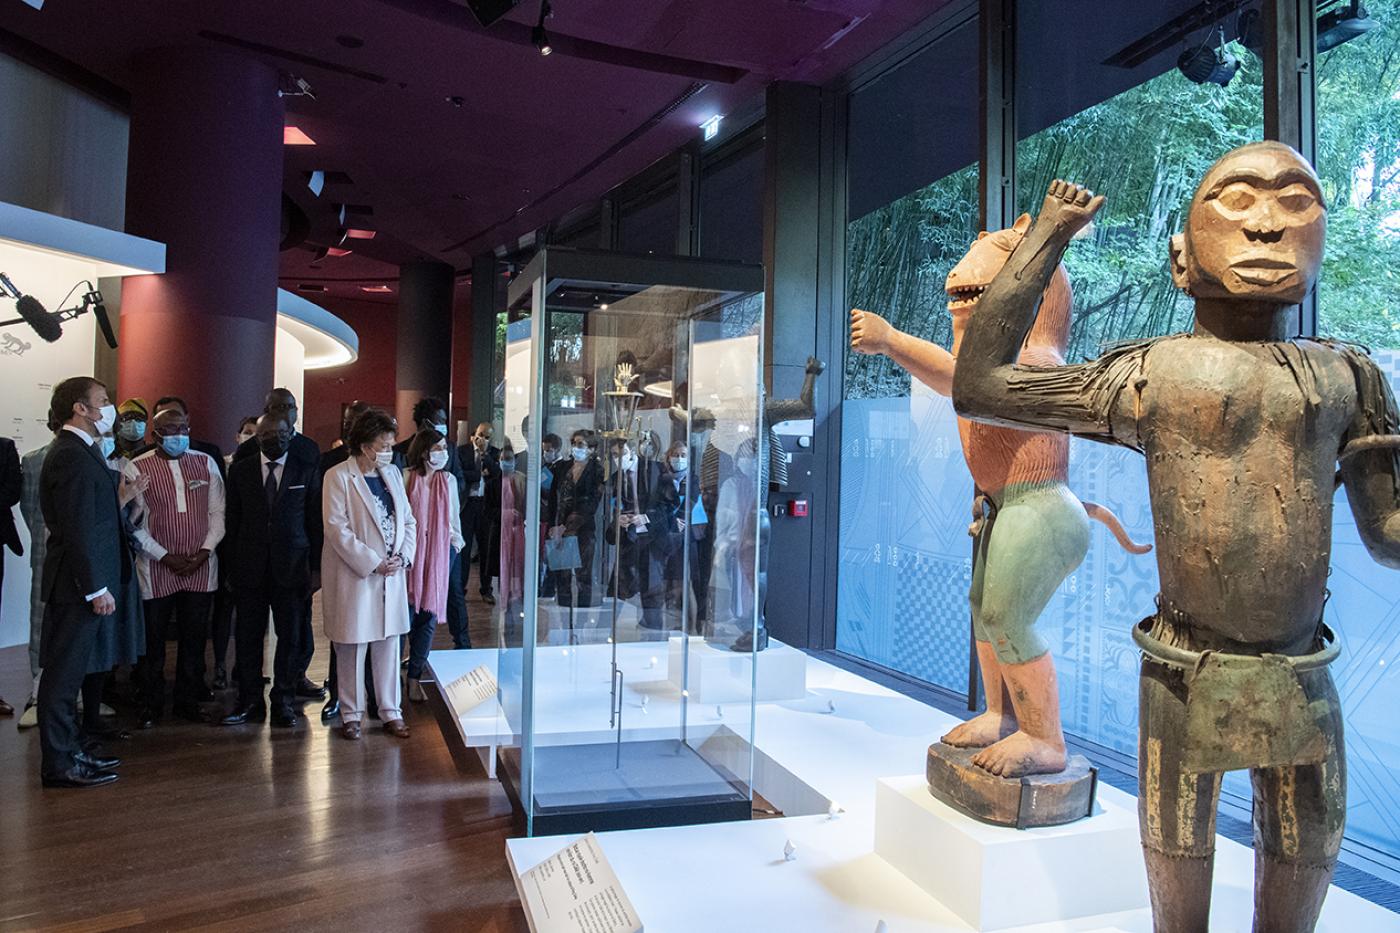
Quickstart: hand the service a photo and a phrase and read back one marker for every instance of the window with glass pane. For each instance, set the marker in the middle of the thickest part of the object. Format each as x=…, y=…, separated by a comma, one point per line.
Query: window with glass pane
x=1108, y=108
x=905, y=558
x=1358, y=133
x=731, y=205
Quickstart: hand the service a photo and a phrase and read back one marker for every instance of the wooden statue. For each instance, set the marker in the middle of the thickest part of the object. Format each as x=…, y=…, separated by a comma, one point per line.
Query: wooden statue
x=1031, y=532
x=1243, y=427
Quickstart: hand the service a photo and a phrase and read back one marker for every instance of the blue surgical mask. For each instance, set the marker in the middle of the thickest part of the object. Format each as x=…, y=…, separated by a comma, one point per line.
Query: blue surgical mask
x=441, y=429
x=176, y=444
x=507, y=466
x=580, y=453
x=132, y=430
x=109, y=445
x=680, y=464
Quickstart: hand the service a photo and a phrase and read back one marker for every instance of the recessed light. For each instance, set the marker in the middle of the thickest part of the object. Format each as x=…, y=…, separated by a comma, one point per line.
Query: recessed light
x=292, y=136
x=376, y=289
x=355, y=233
x=306, y=287
x=338, y=252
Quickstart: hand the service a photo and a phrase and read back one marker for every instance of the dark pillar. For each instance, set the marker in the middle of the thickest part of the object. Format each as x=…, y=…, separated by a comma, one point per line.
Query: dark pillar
x=424, y=338
x=799, y=319
x=997, y=127
x=485, y=282
x=205, y=178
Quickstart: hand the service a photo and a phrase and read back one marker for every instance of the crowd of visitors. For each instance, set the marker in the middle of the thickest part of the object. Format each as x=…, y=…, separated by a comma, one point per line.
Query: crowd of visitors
x=141, y=534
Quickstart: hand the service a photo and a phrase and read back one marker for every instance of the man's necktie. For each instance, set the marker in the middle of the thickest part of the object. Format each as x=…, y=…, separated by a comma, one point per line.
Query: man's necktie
x=270, y=487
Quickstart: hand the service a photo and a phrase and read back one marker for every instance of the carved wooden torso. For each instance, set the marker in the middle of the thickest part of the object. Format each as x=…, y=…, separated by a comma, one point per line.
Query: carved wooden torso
x=1241, y=441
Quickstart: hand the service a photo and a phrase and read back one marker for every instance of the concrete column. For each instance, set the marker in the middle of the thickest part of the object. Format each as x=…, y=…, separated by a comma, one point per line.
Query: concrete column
x=205, y=178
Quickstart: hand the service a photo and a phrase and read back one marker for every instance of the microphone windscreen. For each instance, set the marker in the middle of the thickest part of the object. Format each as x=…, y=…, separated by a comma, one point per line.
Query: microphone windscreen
x=100, y=310
x=48, y=329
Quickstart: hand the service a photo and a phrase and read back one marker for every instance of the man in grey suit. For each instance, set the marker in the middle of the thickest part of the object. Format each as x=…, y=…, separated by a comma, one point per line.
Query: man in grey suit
x=86, y=564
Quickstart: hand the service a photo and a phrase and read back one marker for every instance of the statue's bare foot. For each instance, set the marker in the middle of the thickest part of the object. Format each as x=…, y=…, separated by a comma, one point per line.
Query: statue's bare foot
x=1069, y=206
x=1020, y=754
x=981, y=731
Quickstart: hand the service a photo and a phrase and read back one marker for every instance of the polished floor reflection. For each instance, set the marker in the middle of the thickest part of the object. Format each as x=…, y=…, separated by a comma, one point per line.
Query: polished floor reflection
x=252, y=828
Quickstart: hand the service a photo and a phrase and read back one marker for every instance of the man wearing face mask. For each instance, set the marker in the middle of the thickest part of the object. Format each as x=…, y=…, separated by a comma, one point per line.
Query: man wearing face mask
x=283, y=403
x=274, y=527
x=479, y=471
x=85, y=565
x=132, y=416
x=431, y=414
x=180, y=522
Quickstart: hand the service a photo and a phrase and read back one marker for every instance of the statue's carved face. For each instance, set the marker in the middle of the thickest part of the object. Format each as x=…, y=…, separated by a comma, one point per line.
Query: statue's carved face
x=974, y=272
x=1256, y=228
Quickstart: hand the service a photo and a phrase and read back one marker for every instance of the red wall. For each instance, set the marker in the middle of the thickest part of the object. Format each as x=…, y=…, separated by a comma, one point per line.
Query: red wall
x=370, y=378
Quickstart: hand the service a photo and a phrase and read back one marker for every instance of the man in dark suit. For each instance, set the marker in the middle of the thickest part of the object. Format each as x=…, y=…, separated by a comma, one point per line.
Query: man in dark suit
x=479, y=473
x=282, y=403
x=11, y=482
x=273, y=520
x=86, y=565
x=431, y=414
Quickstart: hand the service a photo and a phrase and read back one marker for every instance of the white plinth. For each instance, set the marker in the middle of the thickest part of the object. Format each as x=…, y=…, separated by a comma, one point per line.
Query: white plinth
x=718, y=675
x=995, y=877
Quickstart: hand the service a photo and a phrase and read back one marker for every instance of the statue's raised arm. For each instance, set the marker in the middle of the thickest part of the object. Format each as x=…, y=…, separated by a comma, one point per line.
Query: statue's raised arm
x=1092, y=400
x=1370, y=459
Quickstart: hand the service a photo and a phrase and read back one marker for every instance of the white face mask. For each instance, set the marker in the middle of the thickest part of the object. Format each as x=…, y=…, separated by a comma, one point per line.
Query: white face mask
x=384, y=457
x=107, y=419
x=437, y=459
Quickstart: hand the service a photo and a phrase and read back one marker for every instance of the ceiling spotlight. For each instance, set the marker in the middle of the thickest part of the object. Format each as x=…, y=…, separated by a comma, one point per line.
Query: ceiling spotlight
x=1342, y=23
x=538, y=37
x=1205, y=65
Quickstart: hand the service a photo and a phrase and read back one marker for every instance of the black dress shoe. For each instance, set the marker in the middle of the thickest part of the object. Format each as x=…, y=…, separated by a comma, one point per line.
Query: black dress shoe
x=330, y=710
x=96, y=762
x=284, y=718
x=488, y=599
x=253, y=712
x=190, y=712
x=306, y=690
x=78, y=776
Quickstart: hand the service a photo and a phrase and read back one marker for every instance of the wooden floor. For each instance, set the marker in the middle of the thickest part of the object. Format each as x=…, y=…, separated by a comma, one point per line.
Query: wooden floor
x=250, y=828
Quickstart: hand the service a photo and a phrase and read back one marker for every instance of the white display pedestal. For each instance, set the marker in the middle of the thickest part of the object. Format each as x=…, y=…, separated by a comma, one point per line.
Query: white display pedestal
x=718, y=675
x=995, y=877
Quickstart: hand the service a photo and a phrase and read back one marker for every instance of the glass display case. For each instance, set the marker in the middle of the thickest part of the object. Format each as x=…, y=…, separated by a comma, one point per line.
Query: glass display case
x=630, y=492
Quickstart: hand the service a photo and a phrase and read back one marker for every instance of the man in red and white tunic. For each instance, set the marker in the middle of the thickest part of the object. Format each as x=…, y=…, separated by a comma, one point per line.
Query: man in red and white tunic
x=180, y=520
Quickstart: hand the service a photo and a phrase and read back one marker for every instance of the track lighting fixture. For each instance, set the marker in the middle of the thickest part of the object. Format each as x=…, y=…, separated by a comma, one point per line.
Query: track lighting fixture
x=538, y=37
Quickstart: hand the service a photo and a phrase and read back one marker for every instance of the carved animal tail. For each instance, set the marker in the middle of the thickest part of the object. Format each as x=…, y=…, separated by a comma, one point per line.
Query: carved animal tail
x=1110, y=521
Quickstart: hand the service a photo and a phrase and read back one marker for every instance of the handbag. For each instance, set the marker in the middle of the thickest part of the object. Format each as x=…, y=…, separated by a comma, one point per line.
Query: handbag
x=562, y=554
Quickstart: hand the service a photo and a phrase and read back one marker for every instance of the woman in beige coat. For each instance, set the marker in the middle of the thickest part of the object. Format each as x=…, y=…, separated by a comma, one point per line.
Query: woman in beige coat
x=370, y=541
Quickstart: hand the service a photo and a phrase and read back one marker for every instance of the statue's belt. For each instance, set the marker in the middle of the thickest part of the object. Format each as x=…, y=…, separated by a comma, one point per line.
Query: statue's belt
x=1244, y=710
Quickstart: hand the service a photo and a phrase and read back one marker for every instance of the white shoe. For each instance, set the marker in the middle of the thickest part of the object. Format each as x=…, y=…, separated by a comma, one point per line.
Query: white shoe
x=107, y=710
x=30, y=717
x=416, y=693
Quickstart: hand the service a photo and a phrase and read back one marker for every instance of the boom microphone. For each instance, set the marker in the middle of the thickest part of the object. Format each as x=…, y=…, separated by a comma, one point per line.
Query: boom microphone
x=99, y=310
x=33, y=313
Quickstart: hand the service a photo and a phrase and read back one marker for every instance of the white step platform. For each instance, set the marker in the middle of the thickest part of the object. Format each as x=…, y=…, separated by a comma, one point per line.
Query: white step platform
x=718, y=675
x=834, y=746
x=1082, y=869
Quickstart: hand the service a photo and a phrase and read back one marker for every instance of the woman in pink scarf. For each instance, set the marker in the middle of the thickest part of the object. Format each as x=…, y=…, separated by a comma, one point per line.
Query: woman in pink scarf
x=432, y=494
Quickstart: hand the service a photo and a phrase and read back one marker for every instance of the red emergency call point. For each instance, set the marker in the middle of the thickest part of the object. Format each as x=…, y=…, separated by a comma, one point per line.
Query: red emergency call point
x=797, y=508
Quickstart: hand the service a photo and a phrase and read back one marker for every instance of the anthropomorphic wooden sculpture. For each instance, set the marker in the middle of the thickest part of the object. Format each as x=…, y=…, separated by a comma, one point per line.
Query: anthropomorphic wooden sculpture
x=1031, y=531
x=1243, y=427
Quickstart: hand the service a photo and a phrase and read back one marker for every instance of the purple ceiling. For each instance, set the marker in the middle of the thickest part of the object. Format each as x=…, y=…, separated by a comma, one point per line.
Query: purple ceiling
x=447, y=180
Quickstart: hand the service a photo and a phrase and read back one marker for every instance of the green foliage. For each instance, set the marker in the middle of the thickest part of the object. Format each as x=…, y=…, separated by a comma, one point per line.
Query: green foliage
x=1146, y=149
